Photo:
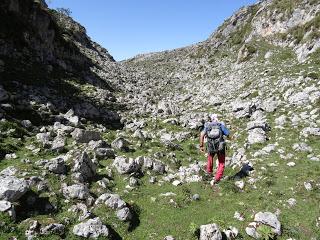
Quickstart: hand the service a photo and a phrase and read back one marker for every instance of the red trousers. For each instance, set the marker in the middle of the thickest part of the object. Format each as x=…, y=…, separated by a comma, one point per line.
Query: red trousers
x=221, y=159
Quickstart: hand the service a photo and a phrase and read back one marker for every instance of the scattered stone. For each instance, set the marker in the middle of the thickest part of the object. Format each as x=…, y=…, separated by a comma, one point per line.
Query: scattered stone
x=176, y=183
x=269, y=219
x=92, y=228
x=124, y=214
x=53, y=228
x=33, y=230
x=103, y=153
x=84, y=169
x=291, y=164
x=44, y=138
x=81, y=208
x=310, y=131
x=76, y=191
x=158, y=167
x=83, y=136
x=55, y=165
x=299, y=99
x=12, y=188
x=73, y=119
x=133, y=182
x=292, y=202
x=169, y=238
x=111, y=200
x=238, y=216
x=8, y=207
x=239, y=184
x=120, y=144
x=11, y=156
x=152, y=180
x=231, y=233
x=302, y=147
x=308, y=186
x=26, y=123
x=196, y=197
x=58, y=144
x=210, y=232
x=280, y=121
x=257, y=135
x=9, y=171
x=167, y=194
x=125, y=165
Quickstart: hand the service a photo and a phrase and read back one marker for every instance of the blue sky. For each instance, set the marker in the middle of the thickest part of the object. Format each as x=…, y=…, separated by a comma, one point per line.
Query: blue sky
x=129, y=27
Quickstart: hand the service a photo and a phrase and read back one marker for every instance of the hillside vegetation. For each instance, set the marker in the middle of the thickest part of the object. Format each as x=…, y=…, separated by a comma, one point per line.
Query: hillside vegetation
x=92, y=148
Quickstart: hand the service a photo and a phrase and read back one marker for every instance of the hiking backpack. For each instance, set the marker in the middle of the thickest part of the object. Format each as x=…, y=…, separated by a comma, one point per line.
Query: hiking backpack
x=215, y=142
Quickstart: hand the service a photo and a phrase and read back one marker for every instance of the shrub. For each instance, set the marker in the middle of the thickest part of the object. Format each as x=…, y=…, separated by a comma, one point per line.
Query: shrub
x=64, y=11
x=265, y=232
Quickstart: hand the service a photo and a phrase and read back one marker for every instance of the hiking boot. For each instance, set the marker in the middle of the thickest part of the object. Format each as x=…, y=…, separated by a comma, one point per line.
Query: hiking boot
x=207, y=176
x=214, y=182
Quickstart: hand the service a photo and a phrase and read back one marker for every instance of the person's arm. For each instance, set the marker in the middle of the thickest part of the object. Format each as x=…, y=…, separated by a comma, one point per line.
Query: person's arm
x=202, y=141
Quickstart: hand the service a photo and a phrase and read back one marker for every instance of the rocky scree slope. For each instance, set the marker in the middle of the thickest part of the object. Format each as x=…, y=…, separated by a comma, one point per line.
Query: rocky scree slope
x=260, y=71
x=64, y=175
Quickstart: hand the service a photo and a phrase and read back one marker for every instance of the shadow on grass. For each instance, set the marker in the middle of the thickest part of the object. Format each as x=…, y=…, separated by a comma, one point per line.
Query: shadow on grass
x=30, y=204
x=113, y=234
x=135, y=221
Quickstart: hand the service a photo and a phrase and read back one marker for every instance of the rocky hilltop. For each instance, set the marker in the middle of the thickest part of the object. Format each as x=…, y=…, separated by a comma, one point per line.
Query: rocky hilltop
x=47, y=61
x=93, y=148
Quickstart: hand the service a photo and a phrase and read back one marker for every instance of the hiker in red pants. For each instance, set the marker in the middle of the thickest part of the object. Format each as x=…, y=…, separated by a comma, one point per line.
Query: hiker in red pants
x=214, y=131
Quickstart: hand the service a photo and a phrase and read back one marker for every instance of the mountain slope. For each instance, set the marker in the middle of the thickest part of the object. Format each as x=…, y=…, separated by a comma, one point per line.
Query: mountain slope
x=66, y=173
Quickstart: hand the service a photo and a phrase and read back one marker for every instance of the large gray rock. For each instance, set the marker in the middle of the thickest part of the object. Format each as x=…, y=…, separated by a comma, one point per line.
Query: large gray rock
x=270, y=105
x=58, y=144
x=62, y=129
x=120, y=144
x=310, y=131
x=124, y=214
x=263, y=218
x=9, y=171
x=73, y=119
x=302, y=147
x=210, y=232
x=269, y=219
x=257, y=135
x=83, y=136
x=26, y=123
x=92, y=228
x=114, y=201
x=280, y=121
x=158, y=167
x=54, y=165
x=7, y=207
x=111, y=200
x=12, y=188
x=76, y=191
x=84, y=169
x=105, y=153
x=125, y=165
x=82, y=210
x=53, y=228
x=299, y=99
x=44, y=138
